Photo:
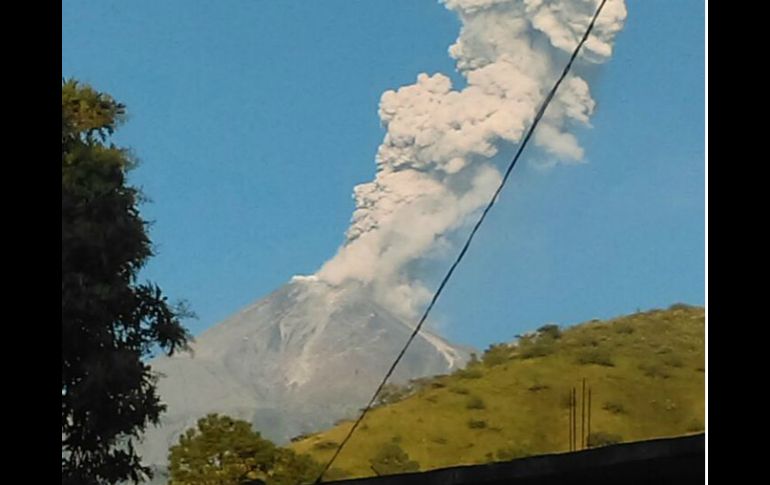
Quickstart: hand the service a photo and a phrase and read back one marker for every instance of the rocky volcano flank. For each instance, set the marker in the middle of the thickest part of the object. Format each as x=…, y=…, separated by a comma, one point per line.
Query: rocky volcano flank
x=294, y=362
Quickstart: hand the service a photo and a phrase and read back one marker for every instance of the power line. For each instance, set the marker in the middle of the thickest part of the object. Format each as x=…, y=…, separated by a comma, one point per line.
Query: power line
x=467, y=244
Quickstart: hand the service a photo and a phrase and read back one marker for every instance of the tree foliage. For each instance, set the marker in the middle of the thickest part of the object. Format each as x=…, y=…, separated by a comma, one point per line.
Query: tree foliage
x=392, y=459
x=496, y=354
x=109, y=321
x=552, y=330
x=226, y=451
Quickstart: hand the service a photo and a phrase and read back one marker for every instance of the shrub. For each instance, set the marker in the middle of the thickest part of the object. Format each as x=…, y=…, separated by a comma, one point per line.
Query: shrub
x=614, y=407
x=477, y=424
x=440, y=440
x=596, y=356
x=530, y=348
x=391, y=459
x=587, y=340
x=391, y=393
x=600, y=438
x=624, y=328
x=538, y=387
x=496, y=354
x=326, y=445
x=673, y=361
x=550, y=330
x=301, y=437
x=421, y=383
x=680, y=306
x=460, y=390
x=655, y=371
x=472, y=373
x=475, y=402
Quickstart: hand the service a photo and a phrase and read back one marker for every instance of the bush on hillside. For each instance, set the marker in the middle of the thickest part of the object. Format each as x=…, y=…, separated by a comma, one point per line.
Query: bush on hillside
x=391, y=459
x=472, y=373
x=326, y=445
x=673, y=361
x=496, y=354
x=531, y=347
x=680, y=306
x=391, y=393
x=655, y=370
x=614, y=407
x=477, y=424
x=475, y=402
x=551, y=330
x=596, y=356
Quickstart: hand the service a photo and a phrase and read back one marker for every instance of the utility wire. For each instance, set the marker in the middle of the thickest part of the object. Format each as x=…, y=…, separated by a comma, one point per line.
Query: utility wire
x=467, y=244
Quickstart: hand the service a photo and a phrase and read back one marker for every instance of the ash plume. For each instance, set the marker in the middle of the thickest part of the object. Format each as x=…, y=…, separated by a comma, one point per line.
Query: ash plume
x=435, y=167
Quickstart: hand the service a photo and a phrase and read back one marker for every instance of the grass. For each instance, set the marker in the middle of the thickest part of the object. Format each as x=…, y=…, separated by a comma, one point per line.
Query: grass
x=654, y=387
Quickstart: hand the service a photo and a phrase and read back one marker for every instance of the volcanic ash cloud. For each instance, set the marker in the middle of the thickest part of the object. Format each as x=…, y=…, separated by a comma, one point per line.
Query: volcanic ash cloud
x=434, y=166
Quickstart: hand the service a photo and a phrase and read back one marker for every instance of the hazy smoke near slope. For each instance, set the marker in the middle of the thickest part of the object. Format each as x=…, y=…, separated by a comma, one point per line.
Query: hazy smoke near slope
x=433, y=166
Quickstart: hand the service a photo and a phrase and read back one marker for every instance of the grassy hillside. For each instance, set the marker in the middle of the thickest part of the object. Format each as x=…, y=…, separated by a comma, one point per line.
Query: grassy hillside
x=646, y=372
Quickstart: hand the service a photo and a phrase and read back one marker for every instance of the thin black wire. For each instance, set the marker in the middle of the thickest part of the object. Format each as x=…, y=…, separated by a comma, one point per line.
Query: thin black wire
x=467, y=244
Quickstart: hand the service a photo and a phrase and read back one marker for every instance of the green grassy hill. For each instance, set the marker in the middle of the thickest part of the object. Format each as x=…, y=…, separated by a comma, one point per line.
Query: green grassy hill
x=646, y=372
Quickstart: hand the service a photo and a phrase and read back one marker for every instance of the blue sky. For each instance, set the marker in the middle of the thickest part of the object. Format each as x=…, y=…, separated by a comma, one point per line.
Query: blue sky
x=254, y=119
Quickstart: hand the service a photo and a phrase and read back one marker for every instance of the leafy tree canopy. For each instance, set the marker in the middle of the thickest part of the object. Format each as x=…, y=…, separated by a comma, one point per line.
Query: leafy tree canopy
x=392, y=459
x=109, y=321
x=226, y=451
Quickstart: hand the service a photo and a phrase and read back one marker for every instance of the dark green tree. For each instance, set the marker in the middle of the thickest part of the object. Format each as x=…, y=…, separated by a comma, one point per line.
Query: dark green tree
x=392, y=459
x=110, y=322
x=552, y=330
x=496, y=354
x=226, y=451
x=290, y=468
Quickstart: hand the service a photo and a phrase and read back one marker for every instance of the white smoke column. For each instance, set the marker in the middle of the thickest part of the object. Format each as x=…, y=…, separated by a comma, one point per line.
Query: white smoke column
x=433, y=167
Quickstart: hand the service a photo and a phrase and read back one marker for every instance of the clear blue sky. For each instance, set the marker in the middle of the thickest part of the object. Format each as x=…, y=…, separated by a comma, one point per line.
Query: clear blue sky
x=254, y=119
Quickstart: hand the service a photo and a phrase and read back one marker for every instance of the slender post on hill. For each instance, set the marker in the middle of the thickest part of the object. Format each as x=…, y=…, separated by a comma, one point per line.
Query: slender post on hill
x=570, y=420
x=589, y=417
x=574, y=419
x=583, y=416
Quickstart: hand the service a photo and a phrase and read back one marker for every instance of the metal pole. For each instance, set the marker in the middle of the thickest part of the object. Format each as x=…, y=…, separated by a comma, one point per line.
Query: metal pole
x=570, y=419
x=589, y=416
x=583, y=416
x=574, y=419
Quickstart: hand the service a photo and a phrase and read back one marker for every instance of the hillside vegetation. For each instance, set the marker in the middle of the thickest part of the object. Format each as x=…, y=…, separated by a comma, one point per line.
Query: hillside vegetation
x=646, y=372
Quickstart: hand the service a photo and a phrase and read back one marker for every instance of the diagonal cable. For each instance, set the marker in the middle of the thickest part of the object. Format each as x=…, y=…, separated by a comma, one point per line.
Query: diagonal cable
x=467, y=244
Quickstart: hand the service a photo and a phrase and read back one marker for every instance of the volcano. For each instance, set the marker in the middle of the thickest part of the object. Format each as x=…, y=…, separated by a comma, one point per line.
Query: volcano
x=295, y=362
